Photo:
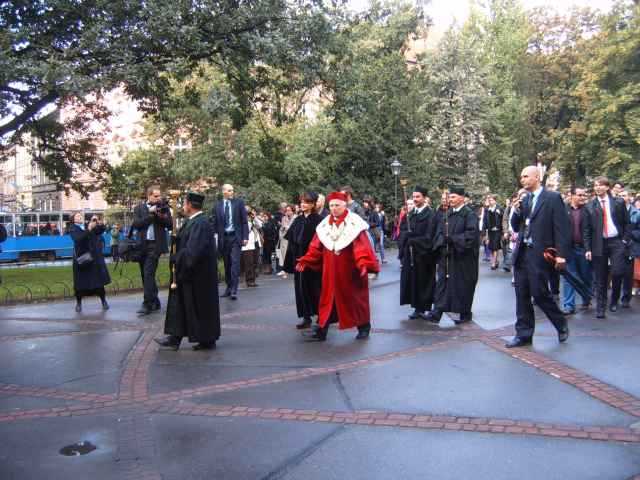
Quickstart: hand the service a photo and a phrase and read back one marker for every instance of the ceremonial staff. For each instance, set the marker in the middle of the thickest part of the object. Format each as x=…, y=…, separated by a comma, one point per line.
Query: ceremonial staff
x=172, y=303
x=446, y=233
x=403, y=182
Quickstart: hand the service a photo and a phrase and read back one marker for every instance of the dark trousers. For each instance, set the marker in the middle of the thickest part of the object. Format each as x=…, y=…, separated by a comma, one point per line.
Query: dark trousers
x=148, y=266
x=627, y=282
x=611, y=261
x=247, y=258
x=231, y=257
x=114, y=252
x=532, y=280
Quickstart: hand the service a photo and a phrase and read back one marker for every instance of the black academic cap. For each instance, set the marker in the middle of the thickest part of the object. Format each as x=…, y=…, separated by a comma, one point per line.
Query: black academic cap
x=421, y=190
x=457, y=189
x=195, y=199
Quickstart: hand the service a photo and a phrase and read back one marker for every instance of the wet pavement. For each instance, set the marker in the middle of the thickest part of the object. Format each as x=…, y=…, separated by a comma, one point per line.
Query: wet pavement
x=414, y=401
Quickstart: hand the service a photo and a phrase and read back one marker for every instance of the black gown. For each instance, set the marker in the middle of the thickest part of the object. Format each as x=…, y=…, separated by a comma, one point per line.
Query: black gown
x=455, y=294
x=418, y=260
x=307, y=283
x=89, y=279
x=492, y=223
x=195, y=312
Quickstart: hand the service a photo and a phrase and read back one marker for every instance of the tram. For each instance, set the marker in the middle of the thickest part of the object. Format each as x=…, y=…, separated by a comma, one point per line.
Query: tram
x=42, y=235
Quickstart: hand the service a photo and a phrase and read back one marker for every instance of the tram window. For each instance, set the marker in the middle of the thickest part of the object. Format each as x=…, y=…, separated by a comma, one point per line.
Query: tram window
x=49, y=224
x=66, y=222
x=7, y=221
x=28, y=225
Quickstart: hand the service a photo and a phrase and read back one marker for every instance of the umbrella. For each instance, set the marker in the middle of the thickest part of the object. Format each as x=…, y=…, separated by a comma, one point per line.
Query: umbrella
x=550, y=255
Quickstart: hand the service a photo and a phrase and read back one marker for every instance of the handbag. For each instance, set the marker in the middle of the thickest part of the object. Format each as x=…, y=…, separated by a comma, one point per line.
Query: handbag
x=85, y=259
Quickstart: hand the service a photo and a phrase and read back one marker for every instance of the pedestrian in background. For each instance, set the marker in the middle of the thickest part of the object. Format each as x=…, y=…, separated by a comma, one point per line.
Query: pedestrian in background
x=90, y=274
x=115, y=241
x=281, y=250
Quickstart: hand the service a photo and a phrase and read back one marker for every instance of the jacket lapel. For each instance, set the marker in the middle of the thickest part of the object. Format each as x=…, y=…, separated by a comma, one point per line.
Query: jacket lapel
x=541, y=200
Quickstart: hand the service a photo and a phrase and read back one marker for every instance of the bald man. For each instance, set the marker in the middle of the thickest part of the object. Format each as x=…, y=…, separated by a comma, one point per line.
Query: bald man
x=230, y=223
x=541, y=221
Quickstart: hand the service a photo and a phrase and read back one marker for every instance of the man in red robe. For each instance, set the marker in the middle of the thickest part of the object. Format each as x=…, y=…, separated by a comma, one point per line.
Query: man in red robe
x=342, y=251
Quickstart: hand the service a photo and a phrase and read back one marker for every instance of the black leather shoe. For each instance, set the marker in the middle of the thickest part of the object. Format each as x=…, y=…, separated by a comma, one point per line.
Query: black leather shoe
x=144, y=311
x=78, y=307
x=363, y=333
x=105, y=305
x=156, y=306
x=518, y=342
x=205, y=346
x=415, y=314
x=226, y=294
x=234, y=296
x=613, y=307
x=317, y=335
x=568, y=311
x=167, y=343
x=563, y=335
x=252, y=285
x=433, y=317
x=625, y=305
x=463, y=319
x=600, y=314
x=305, y=323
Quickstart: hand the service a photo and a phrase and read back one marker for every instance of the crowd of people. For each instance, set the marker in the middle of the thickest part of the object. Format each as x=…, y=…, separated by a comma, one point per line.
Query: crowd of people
x=594, y=234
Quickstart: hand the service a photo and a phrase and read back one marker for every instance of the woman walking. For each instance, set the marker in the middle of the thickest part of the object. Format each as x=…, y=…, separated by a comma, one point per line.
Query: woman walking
x=308, y=282
x=90, y=273
x=492, y=226
x=281, y=250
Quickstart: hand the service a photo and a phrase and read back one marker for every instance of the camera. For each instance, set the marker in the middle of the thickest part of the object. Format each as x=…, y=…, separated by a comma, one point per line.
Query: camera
x=163, y=207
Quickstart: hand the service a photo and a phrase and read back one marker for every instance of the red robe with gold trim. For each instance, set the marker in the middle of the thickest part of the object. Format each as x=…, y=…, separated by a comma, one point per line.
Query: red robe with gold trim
x=340, y=262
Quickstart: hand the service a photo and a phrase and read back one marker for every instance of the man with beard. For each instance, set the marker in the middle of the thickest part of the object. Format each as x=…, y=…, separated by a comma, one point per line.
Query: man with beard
x=195, y=313
x=342, y=251
x=307, y=284
x=418, y=271
x=458, y=242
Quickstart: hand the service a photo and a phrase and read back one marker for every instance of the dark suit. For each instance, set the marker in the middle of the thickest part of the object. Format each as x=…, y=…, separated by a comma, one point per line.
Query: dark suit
x=605, y=250
x=152, y=249
x=548, y=227
x=230, y=239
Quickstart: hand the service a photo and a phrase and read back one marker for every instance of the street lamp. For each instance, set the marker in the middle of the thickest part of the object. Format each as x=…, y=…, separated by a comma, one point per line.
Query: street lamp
x=395, y=169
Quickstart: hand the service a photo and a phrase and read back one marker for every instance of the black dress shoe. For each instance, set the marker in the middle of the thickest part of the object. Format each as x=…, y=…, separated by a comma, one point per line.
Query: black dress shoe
x=156, y=306
x=600, y=314
x=625, y=305
x=613, y=307
x=433, y=317
x=226, y=294
x=305, y=323
x=105, y=305
x=168, y=343
x=415, y=314
x=363, y=334
x=234, y=296
x=144, y=311
x=317, y=335
x=518, y=342
x=252, y=285
x=506, y=269
x=464, y=318
x=568, y=311
x=78, y=307
x=204, y=346
x=563, y=335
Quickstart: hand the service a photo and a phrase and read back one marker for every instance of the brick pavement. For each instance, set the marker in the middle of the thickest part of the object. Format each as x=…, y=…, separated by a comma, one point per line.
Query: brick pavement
x=135, y=403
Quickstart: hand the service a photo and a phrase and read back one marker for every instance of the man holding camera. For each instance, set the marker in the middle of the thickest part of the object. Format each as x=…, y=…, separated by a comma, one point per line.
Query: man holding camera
x=151, y=219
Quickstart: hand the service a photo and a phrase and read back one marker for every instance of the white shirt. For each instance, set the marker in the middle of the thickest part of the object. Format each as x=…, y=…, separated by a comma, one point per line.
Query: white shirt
x=417, y=210
x=195, y=215
x=151, y=234
x=534, y=199
x=456, y=210
x=612, y=231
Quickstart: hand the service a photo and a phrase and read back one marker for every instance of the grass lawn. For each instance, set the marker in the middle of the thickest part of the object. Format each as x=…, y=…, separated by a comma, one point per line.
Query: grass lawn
x=29, y=284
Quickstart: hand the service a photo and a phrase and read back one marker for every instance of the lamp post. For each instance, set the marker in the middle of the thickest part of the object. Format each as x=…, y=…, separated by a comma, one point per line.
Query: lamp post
x=395, y=169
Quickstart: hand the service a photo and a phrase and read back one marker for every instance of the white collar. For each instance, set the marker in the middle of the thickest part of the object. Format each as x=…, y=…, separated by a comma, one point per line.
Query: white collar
x=337, y=237
x=456, y=210
x=537, y=191
x=195, y=215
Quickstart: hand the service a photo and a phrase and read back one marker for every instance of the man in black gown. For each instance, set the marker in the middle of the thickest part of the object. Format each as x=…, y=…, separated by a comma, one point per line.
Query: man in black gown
x=307, y=283
x=195, y=313
x=458, y=243
x=418, y=272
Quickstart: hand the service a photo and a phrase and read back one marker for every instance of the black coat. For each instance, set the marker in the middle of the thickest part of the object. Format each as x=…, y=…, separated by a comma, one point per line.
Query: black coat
x=418, y=271
x=194, y=310
x=635, y=235
x=95, y=275
x=307, y=283
x=492, y=224
x=593, y=239
x=458, y=245
x=142, y=219
x=238, y=218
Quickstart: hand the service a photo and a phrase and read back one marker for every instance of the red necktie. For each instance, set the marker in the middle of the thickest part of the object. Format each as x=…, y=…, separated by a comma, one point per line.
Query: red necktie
x=605, y=223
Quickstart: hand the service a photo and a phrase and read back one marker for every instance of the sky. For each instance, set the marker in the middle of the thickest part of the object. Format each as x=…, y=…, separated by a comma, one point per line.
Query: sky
x=444, y=12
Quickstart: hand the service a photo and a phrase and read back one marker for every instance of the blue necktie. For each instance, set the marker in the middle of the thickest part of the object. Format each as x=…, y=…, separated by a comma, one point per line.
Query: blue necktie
x=227, y=214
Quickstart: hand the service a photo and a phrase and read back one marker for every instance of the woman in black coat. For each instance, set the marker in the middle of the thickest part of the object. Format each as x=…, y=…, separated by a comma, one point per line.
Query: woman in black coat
x=307, y=283
x=91, y=277
x=492, y=225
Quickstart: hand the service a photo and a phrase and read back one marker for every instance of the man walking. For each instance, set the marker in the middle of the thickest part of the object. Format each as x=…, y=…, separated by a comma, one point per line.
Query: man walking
x=458, y=243
x=230, y=222
x=605, y=240
x=541, y=222
x=196, y=314
x=417, y=258
x=151, y=219
x=577, y=263
x=627, y=278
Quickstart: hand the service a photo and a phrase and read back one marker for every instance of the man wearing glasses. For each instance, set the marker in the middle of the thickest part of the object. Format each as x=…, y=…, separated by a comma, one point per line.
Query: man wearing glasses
x=577, y=263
